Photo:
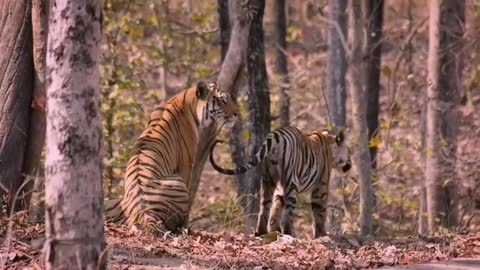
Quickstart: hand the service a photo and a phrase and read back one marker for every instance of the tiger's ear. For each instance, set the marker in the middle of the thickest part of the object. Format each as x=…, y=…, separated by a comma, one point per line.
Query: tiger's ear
x=202, y=90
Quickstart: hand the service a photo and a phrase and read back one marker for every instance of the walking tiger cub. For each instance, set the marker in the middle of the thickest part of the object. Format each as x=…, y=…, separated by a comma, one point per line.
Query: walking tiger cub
x=294, y=162
x=159, y=173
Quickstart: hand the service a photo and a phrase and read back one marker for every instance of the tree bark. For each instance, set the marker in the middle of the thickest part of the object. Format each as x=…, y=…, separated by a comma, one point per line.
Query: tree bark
x=74, y=190
x=374, y=17
x=337, y=63
x=336, y=98
x=36, y=139
x=259, y=113
x=281, y=63
x=16, y=88
x=357, y=86
x=240, y=20
x=235, y=135
x=446, y=31
x=224, y=25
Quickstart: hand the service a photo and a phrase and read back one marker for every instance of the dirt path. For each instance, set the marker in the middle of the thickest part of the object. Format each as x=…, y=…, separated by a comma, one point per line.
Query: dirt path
x=456, y=264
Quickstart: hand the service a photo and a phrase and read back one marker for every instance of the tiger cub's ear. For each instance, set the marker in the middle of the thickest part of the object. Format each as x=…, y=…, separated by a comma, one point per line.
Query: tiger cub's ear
x=202, y=90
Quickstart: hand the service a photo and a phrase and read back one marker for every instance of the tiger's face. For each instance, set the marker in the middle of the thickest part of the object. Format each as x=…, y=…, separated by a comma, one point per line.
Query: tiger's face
x=340, y=151
x=219, y=105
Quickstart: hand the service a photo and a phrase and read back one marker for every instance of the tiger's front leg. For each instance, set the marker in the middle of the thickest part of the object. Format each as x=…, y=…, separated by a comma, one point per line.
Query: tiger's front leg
x=319, y=200
x=290, y=198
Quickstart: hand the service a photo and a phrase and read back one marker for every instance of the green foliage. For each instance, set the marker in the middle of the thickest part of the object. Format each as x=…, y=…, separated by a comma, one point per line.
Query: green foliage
x=140, y=38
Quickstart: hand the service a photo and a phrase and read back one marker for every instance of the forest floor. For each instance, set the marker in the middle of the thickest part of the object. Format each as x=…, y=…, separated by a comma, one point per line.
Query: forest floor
x=131, y=249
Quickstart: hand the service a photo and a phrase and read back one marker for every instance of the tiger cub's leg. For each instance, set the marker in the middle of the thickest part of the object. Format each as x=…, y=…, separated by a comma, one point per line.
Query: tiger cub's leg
x=319, y=207
x=290, y=198
x=266, y=195
x=276, y=210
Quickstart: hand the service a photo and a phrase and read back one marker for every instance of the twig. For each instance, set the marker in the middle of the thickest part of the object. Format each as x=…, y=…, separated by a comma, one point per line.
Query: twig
x=8, y=235
x=393, y=87
x=326, y=103
x=343, y=40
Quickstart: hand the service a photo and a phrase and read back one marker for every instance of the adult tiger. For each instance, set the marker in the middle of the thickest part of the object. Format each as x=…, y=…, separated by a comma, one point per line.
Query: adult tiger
x=159, y=173
x=294, y=162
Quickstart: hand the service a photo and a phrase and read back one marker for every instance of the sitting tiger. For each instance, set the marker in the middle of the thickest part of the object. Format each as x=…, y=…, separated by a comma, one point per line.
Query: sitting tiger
x=294, y=162
x=159, y=173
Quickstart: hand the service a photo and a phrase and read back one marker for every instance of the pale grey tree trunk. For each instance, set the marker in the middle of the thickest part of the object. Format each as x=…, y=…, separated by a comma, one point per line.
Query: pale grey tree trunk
x=259, y=113
x=235, y=135
x=232, y=66
x=36, y=139
x=73, y=166
x=446, y=29
x=359, y=134
x=336, y=94
x=281, y=61
x=16, y=86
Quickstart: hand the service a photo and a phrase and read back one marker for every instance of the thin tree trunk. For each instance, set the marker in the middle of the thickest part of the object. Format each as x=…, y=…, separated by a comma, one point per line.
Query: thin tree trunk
x=259, y=113
x=336, y=98
x=446, y=31
x=227, y=79
x=281, y=63
x=357, y=85
x=374, y=17
x=337, y=63
x=16, y=87
x=36, y=139
x=374, y=20
x=236, y=142
x=73, y=166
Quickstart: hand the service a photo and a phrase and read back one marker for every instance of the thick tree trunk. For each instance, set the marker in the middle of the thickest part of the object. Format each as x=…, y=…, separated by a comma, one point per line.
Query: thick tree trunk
x=336, y=98
x=74, y=190
x=357, y=86
x=281, y=63
x=16, y=88
x=36, y=139
x=259, y=113
x=446, y=30
x=240, y=20
x=374, y=17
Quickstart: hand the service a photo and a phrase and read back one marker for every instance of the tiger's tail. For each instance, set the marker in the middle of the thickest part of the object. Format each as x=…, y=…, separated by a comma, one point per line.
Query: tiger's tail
x=114, y=212
x=254, y=161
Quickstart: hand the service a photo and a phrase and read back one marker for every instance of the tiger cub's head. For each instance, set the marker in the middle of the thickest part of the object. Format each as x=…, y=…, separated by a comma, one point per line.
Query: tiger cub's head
x=340, y=151
x=218, y=105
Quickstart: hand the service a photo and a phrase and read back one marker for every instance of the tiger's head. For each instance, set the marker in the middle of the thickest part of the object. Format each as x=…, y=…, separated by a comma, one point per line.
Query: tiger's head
x=218, y=105
x=340, y=151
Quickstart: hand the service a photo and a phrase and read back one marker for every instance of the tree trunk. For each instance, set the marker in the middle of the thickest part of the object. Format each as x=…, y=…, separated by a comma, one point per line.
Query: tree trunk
x=281, y=63
x=36, y=139
x=16, y=89
x=336, y=98
x=357, y=86
x=259, y=113
x=227, y=79
x=73, y=166
x=447, y=19
x=337, y=63
x=374, y=17
x=236, y=142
